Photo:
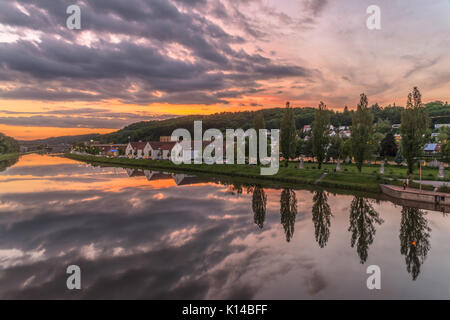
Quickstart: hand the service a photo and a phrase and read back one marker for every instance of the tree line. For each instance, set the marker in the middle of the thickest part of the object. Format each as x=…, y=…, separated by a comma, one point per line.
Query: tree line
x=368, y=136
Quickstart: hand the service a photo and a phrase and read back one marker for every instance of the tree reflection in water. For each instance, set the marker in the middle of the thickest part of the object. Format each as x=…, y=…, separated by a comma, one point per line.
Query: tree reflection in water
x=414, y=239
x=5, y=164
x=362, y=219
x=321, y=216
x=288, y=211
x=259, y=202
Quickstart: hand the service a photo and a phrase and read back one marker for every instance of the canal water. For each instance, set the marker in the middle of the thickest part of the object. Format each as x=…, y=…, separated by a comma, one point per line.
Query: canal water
x=153, y=235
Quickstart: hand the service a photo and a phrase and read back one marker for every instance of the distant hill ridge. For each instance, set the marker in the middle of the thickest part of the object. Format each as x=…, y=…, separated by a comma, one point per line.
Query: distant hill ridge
x=152, y=130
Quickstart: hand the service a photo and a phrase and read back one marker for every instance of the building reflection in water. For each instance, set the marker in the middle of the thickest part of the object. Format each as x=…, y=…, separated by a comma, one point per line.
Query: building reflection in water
x=179, y=178
x=363, y=218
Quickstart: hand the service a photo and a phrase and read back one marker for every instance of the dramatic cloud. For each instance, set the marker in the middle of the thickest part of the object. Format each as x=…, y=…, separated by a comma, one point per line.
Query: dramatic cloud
x=206, y=56
x=141, y=52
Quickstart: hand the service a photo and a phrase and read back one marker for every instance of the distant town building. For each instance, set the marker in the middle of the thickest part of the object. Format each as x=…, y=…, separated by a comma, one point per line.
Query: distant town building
x=345, y=133
x=155, y=150
x=307, y=128
x=432, y=148
x=440, y=125
x=396, y=126
x=109, y=149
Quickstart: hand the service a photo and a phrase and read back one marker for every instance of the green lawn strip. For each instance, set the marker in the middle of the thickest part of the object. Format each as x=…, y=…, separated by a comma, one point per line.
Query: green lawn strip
x=391, y=171
x=355, y=181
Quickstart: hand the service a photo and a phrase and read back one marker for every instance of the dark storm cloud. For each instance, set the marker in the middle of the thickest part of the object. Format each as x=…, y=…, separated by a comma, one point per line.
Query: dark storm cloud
x=59, y=68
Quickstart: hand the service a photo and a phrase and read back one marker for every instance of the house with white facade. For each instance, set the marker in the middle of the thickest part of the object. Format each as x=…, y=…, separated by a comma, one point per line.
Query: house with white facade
x=138, y=150
x=155, y=150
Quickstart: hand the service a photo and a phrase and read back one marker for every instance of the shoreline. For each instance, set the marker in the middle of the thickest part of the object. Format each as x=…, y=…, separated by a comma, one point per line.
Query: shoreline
x=302, y=177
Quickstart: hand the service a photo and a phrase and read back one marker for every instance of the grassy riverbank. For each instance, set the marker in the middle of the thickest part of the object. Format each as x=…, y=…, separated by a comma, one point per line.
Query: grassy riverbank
x=390, y=171
x=292, y=174
x=8, y=156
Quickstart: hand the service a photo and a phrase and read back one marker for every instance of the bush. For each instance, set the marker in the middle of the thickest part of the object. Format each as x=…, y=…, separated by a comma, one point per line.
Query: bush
x=445, y=188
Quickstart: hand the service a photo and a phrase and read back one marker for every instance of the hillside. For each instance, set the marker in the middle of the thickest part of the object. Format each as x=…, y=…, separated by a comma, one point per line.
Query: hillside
x=63, y=139
x=8, y=144
x=152, y=130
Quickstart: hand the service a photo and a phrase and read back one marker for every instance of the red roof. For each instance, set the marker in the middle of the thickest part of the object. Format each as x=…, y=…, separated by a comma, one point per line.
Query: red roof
x=138, y=145
x=158, y=145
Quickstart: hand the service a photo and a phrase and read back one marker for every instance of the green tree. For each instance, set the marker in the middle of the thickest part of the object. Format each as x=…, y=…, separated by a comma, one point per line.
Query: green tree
x=399, y=157
x=444, y=134
x=383, y=126
x=258, y=124
x=320, y=133
x=336, y=147
x=446, y=152
x=415, y=122
x=8, y=144
x=288, y=134
x=361, y=130
x=388, y=146
x=347, y=149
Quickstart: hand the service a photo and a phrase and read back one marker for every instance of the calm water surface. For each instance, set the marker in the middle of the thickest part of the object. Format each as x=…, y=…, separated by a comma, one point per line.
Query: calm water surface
x=144, y=234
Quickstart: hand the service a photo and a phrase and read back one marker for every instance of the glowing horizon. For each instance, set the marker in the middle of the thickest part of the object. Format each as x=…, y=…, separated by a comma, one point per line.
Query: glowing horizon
x=168, y=58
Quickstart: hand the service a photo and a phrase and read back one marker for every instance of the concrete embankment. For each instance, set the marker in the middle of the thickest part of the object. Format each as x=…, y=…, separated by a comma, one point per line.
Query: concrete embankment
x=436, y=198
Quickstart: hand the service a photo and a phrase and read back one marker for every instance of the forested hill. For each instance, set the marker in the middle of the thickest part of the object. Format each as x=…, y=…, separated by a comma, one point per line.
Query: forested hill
x=152, y=130
x=64, y=139
x=8, y=144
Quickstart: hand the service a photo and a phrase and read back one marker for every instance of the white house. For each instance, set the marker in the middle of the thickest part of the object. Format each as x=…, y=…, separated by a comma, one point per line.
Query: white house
x=160, y=150
x=138, y=150
x=155, y=150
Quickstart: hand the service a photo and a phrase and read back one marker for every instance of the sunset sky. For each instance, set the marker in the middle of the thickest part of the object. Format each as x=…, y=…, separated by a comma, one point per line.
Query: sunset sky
x=139, y=60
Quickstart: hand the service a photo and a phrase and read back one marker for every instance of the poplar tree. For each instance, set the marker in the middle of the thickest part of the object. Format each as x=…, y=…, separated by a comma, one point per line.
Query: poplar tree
x=415, y=122
x=288, y=134
x=258, y=124
x=320, y=133
x=361, y=131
